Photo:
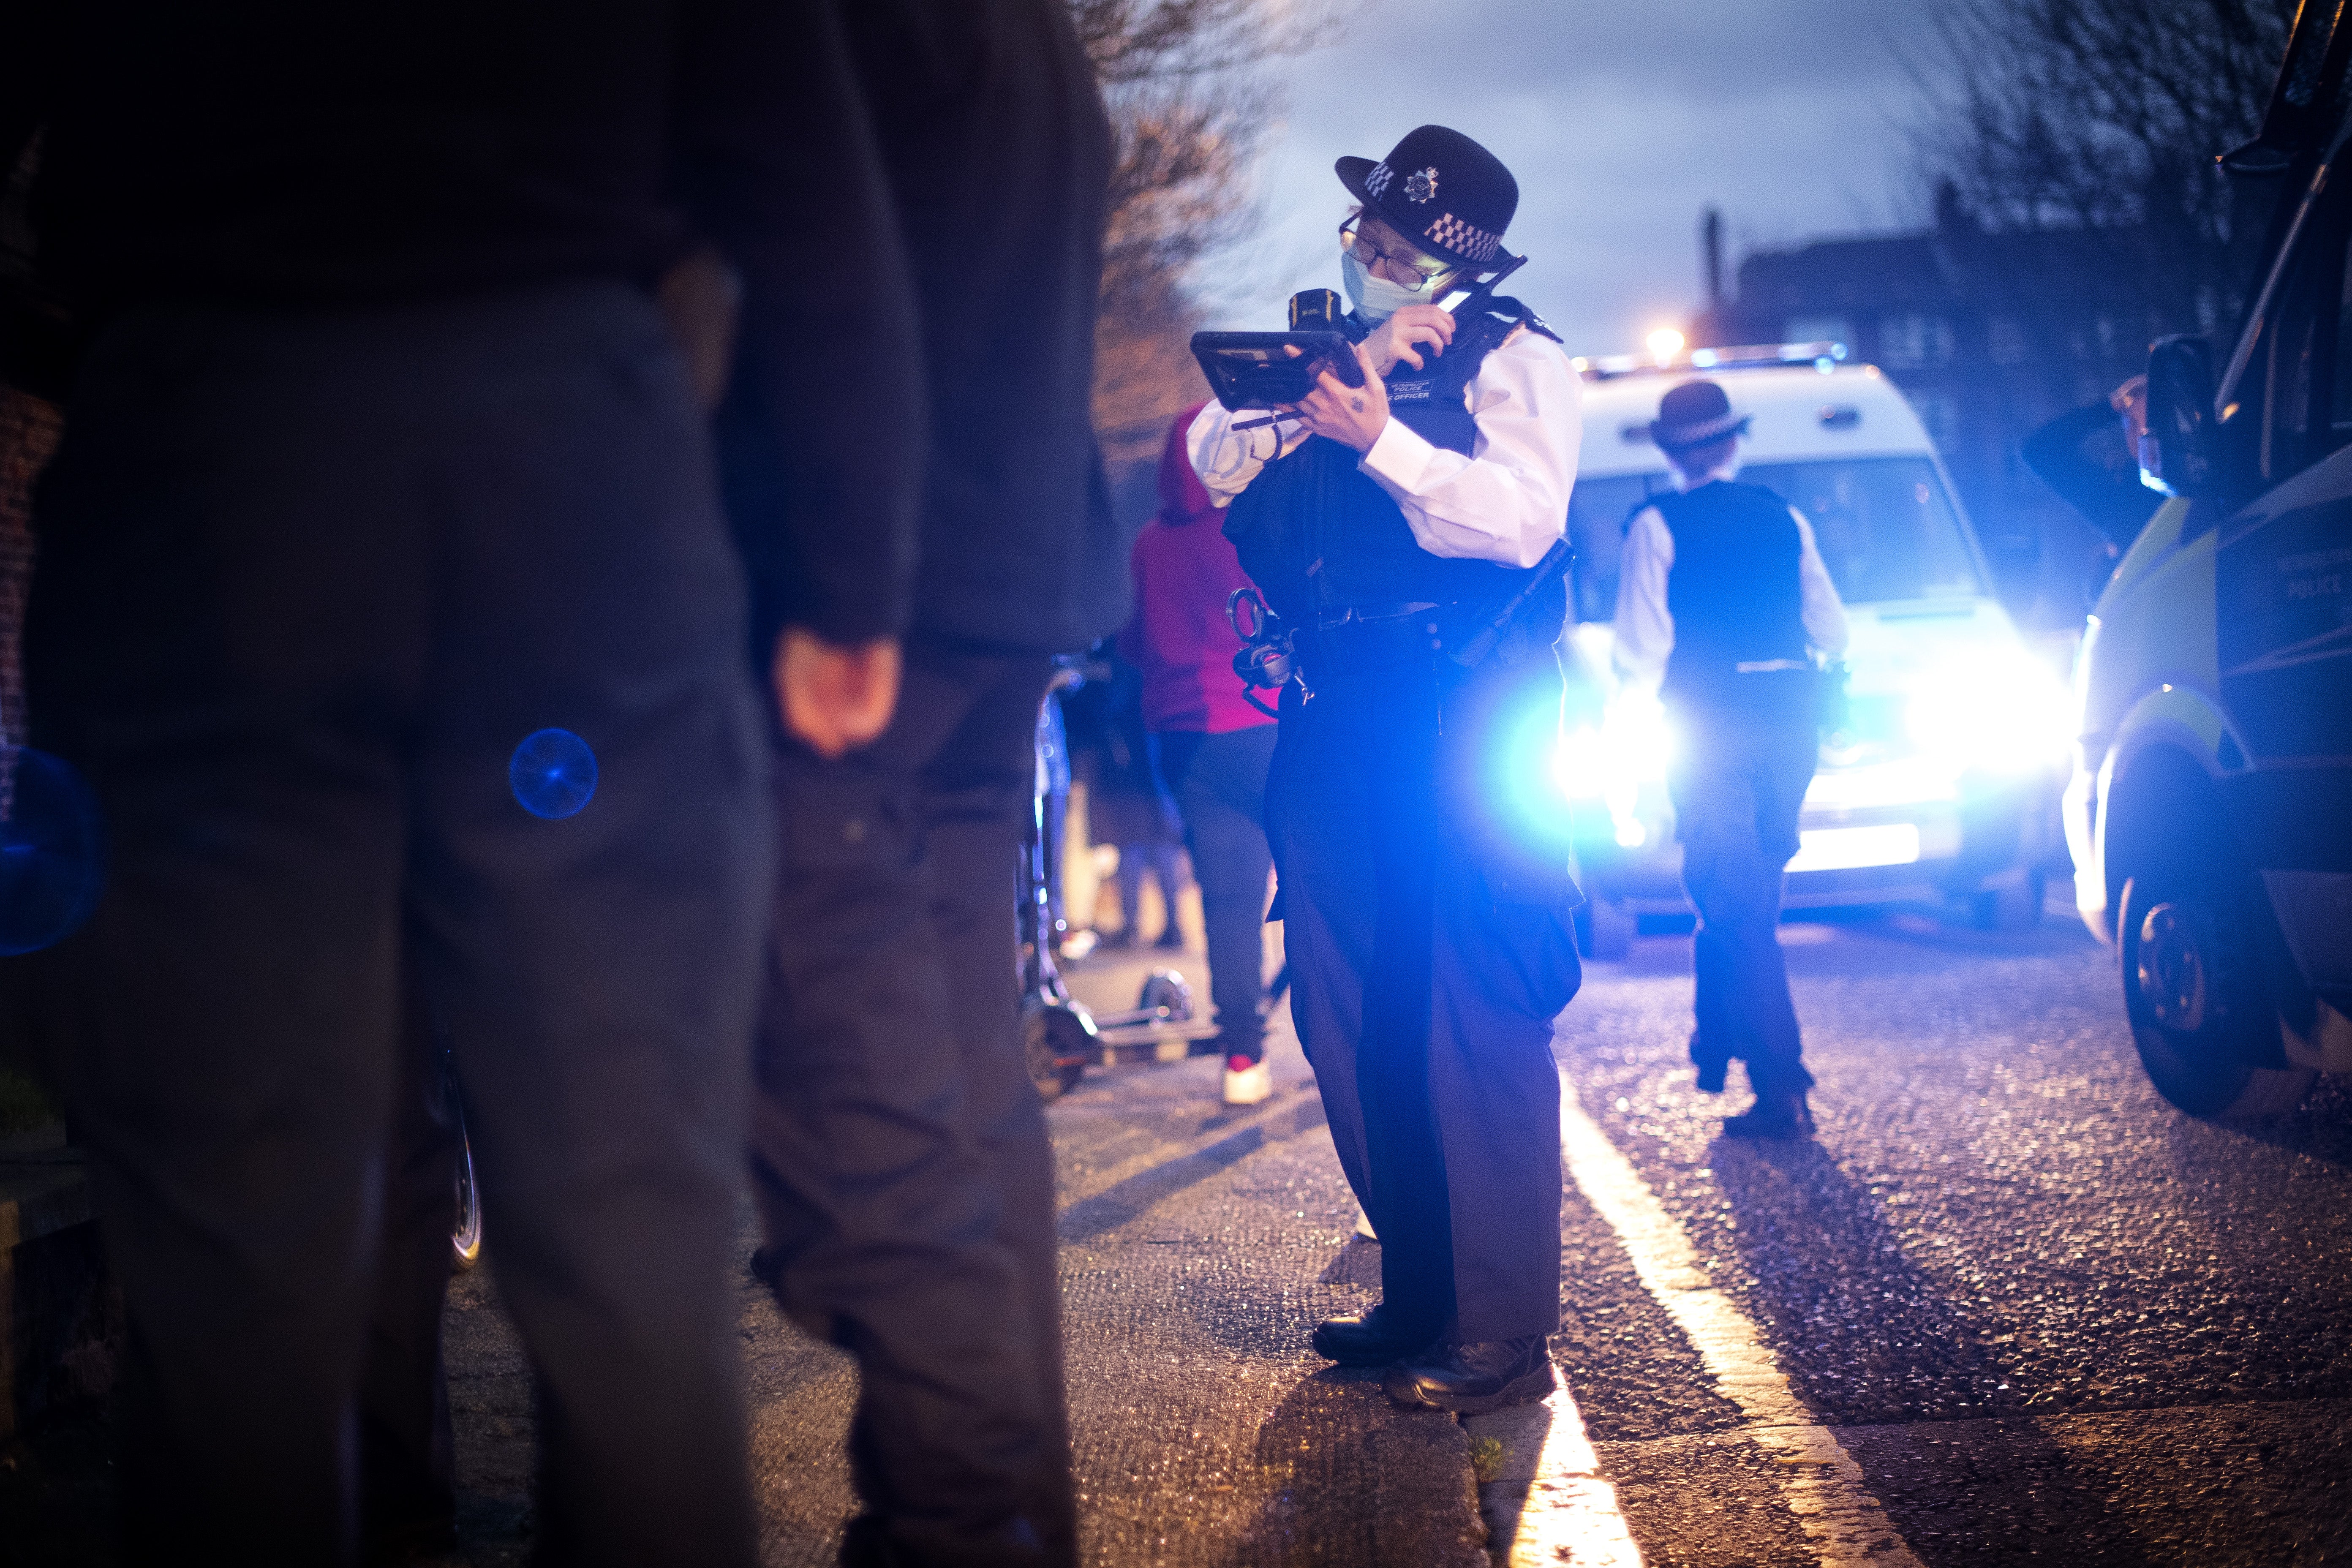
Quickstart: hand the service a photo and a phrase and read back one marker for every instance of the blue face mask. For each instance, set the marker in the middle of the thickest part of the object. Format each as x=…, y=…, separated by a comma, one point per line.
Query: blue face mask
x=1377, y=299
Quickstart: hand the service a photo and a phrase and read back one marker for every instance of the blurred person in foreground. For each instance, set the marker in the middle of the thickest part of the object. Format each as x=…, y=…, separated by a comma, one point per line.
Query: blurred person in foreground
x=380, y=457
x=900, y=1154
x=1398, y=527
x=1722, y=600
x=1214, y=747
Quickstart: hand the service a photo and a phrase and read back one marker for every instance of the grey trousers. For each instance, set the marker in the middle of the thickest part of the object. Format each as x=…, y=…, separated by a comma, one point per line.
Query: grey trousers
x=308, y=578
x=1220, y=787
x=1737, y=792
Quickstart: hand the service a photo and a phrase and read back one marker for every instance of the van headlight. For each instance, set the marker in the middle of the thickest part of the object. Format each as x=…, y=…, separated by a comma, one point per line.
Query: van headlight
x=2005, y=714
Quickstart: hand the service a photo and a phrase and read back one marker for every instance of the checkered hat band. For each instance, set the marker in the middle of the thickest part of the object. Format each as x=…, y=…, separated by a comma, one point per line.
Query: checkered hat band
x=1465, y=239
x=1699, y=433
x=1461, y=238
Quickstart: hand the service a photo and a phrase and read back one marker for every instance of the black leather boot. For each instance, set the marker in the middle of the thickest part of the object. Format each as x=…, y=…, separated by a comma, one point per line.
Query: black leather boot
x=1473, y=1379
x=1373, y=1338
x=1781, y=1114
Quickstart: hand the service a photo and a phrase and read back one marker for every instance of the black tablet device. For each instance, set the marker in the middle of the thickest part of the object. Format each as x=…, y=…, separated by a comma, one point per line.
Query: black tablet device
x=1254, y=370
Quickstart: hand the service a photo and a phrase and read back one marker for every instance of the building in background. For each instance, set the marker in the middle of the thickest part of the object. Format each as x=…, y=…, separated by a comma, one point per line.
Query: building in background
x=1990, y=335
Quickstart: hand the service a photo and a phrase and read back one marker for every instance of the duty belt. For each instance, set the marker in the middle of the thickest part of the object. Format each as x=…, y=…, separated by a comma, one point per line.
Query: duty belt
x=1350, y=642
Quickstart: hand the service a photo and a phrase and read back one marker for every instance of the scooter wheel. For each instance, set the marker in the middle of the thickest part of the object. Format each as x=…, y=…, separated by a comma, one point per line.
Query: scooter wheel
x=1055, y=1045
x=1167, y=990
x=465, y=1236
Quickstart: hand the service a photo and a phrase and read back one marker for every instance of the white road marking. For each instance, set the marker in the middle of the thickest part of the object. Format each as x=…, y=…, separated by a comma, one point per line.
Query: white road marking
x=1824, y=1489
x=1547, y=1505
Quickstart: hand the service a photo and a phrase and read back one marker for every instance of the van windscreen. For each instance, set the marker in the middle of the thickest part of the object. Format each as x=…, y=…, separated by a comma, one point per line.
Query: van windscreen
x=1884, y=525
x=1885, y=529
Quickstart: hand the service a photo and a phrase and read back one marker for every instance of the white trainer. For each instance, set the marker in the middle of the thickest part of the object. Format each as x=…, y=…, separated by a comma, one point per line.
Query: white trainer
x=1246, y=1082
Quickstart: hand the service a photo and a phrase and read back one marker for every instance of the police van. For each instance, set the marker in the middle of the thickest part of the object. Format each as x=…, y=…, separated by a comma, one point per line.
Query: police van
x=1941, y=781
x=2211, y=804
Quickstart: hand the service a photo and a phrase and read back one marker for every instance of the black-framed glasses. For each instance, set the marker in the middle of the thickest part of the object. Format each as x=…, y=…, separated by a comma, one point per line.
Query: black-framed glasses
x=1428, y=269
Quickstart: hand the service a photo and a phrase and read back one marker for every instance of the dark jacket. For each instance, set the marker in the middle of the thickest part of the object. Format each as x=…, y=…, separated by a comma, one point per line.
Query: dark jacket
x=998, y=151
x=284, y=153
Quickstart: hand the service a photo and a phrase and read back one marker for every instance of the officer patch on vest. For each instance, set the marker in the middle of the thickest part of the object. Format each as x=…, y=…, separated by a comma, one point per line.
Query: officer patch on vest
x=1408, y=391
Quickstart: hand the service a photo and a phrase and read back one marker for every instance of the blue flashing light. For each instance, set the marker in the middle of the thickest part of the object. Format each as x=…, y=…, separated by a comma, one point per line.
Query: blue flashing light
x=552, y=774
x=52, y=862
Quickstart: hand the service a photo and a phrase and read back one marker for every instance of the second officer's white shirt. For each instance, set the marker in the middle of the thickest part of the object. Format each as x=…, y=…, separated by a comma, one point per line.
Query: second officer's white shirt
x=1506, y=501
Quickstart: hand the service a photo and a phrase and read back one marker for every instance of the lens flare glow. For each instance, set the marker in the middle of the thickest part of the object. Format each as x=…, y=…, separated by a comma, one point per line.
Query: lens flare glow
x=51, y=851
x=552, y=774
x=1664, y=344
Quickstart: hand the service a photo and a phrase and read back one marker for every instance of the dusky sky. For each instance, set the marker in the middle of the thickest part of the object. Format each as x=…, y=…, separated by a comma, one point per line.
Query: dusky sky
x=1621, y=121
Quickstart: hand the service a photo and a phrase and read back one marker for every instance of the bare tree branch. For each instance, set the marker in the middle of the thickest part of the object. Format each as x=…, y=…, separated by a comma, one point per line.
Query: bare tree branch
x=1188, y=86
x=2105, y=116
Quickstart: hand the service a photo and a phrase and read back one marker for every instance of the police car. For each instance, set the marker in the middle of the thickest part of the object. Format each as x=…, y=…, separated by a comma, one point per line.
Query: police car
x=2211, y=806
x=1941, y=781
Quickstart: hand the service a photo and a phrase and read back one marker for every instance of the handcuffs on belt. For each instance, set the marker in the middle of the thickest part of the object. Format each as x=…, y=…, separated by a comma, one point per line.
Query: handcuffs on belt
x=1266, y=658
x=1269, y=655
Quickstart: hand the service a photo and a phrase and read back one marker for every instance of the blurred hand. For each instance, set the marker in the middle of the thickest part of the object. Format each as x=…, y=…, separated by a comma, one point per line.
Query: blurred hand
x=834, y=698
x=1403, y=335
x=1351, y=416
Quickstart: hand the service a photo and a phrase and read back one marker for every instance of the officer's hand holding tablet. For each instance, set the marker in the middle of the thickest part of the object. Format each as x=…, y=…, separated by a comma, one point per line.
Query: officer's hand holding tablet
x=1352, y=415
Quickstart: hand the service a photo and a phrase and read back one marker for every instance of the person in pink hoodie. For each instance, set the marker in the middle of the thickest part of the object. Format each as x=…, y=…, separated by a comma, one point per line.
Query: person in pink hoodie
x=1215, y=748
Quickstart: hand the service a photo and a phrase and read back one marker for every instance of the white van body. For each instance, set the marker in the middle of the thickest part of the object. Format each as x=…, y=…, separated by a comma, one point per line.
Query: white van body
x=1943, y=781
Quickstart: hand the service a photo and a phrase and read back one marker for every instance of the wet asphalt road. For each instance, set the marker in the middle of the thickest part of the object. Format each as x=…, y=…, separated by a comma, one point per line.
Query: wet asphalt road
x=2051, y=1319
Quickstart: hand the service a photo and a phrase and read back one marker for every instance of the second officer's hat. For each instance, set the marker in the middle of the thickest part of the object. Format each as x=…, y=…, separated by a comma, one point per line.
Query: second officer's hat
x=1442, y=191
x=1692, y=415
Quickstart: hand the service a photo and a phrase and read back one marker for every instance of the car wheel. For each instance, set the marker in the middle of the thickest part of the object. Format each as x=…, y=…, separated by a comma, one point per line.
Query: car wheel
x=465, y=1235
x=1604, y=928
x=1055, y=1045
x=2193, y=988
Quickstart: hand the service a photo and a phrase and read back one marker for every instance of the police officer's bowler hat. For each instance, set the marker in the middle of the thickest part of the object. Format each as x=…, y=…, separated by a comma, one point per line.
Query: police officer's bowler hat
x=1440, y=190
x=1692, y=415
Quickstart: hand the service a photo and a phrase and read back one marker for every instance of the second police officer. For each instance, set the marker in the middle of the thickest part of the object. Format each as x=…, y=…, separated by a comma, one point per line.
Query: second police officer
x=1722, y=599
x=1406, y=530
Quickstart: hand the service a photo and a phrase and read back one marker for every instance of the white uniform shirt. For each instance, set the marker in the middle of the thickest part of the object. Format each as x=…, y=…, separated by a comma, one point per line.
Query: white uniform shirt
x=1645, y=631
x=1507, y=502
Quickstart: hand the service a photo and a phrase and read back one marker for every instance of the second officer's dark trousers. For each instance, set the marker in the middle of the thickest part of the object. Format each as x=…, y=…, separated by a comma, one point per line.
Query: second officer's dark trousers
x=1736, y=790
x=899, y=1149
x=1425, y=1010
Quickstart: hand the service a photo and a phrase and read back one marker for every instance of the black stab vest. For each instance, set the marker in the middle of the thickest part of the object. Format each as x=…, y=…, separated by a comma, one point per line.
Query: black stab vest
x=1318, y=535
x=1734, y=591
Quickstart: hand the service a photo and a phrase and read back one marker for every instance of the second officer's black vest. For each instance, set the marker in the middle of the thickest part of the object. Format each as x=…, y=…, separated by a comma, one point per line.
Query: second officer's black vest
x=1734, y=591
x=1315, y=534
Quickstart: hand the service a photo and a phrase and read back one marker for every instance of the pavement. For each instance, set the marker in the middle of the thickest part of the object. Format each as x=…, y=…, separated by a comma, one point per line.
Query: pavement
x=2009, y=1307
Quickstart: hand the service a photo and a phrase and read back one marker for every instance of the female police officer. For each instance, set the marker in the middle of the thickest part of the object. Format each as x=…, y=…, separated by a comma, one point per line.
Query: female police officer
x=1406, y=531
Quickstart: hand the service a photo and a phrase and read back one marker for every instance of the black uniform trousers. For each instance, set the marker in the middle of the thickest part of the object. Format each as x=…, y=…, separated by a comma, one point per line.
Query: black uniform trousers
x=308, y=576
x=1738, y=786
x=899, y=1149
x=1219, y=781
x=1424, y=1006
